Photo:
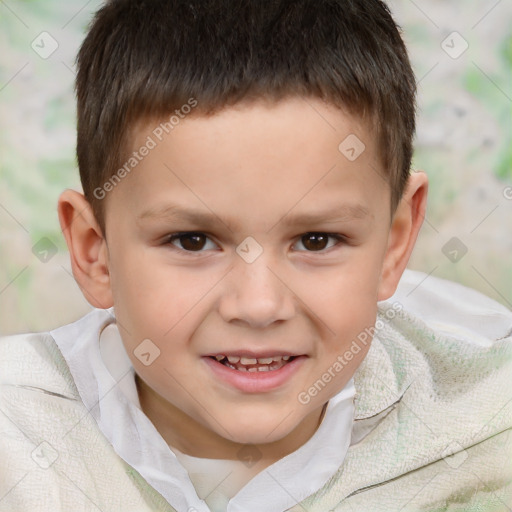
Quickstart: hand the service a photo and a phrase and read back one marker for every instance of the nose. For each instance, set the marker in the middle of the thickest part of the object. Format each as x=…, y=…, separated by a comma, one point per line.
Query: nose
x=255, y=295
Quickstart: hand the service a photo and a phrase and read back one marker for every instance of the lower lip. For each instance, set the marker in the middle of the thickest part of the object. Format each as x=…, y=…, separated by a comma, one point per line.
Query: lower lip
x=255, y=382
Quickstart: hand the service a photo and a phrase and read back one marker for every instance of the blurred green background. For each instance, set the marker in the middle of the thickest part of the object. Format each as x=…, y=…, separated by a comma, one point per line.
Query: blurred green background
x=463, y=143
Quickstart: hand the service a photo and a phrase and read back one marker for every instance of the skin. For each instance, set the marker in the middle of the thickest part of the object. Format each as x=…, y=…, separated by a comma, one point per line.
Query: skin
x=251, y=167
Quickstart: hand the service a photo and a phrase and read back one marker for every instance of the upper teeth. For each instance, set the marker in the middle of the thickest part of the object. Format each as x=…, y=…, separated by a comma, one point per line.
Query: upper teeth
x=250, y=360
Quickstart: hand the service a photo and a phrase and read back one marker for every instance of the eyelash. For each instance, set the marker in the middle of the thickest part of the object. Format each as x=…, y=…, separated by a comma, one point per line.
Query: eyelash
x=341, y=239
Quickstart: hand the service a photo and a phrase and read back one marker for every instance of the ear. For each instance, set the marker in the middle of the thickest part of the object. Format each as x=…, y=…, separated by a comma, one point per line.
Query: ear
x=405, y=227
x=87, y=248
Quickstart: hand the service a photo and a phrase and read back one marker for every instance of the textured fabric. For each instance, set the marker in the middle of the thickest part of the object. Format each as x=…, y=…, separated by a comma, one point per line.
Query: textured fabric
x=432, y=428
x=53, y=456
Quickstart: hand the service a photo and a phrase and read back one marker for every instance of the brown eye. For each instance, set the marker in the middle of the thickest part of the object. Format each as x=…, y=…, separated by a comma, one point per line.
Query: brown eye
x=315, y=241
x=192, y=242
x=318, y=241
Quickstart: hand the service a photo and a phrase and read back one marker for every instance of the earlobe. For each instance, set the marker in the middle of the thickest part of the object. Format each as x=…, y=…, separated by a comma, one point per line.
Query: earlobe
x=404, y=231
x=87, y=248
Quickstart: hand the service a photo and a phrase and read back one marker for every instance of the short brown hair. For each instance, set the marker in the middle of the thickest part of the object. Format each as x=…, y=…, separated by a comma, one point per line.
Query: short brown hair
x=146, y=58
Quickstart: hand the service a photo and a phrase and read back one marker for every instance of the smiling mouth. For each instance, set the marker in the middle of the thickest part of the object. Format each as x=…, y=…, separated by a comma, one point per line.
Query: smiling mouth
x=248, y=364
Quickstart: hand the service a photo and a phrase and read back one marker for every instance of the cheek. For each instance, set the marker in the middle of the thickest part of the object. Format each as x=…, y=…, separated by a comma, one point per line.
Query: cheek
x=155, y=300
x=138, y=295
x=348, y=313
x=346, y=297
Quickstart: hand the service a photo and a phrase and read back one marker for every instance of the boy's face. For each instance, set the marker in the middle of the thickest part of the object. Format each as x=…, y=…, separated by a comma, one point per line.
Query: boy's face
x=256, y=278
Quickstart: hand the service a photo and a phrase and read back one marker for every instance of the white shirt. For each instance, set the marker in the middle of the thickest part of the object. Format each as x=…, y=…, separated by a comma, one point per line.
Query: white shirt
x=105, y=379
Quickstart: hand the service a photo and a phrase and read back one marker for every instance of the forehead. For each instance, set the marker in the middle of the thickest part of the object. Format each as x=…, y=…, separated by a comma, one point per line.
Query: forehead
x=255, y=158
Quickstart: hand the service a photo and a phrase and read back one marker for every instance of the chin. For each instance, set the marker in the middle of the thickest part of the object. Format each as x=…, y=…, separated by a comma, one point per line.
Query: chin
x=258, y=431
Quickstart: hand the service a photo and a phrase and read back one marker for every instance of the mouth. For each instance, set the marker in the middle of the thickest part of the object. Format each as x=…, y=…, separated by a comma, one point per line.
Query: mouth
x=255, y=373
x=253, y=364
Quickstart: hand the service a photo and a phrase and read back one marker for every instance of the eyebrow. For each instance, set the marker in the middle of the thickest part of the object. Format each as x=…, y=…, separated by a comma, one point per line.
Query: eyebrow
x=341, y=213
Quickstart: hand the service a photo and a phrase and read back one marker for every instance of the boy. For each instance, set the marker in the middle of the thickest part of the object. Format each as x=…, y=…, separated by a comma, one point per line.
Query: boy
x=248, y=213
